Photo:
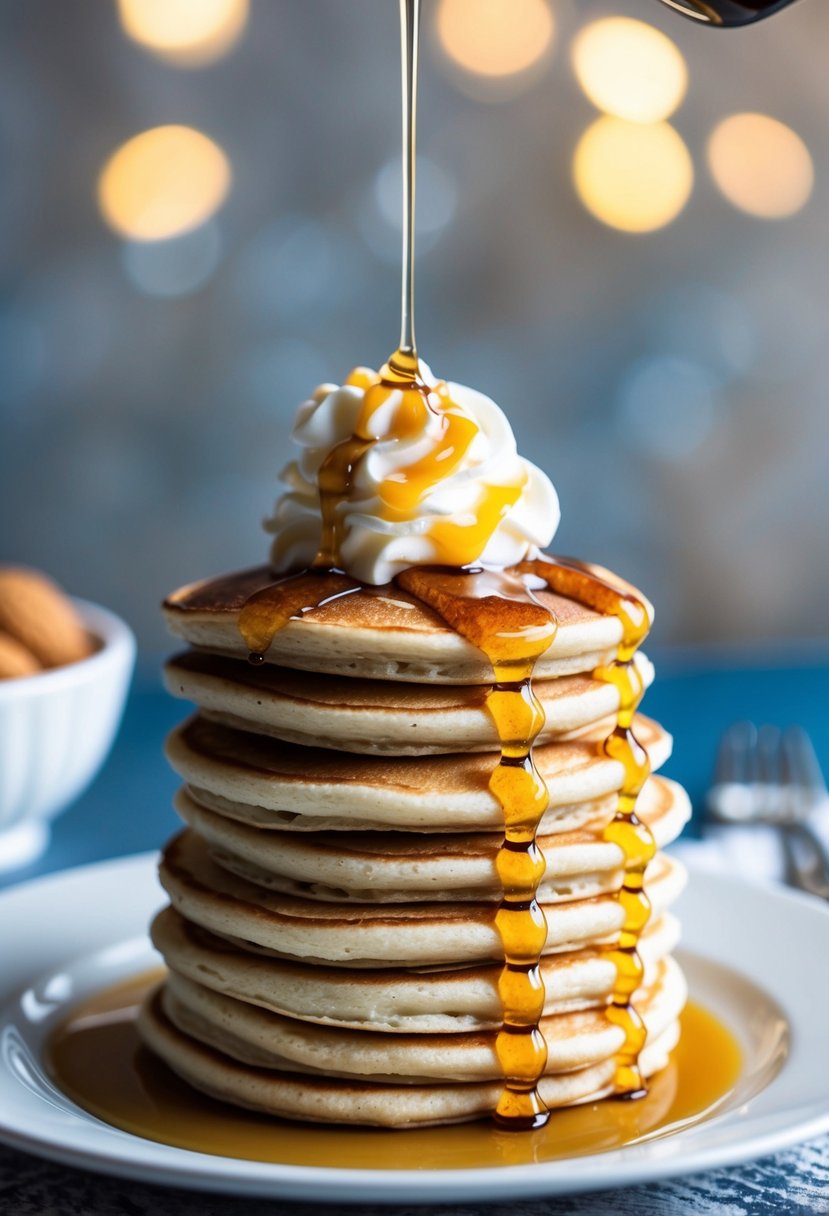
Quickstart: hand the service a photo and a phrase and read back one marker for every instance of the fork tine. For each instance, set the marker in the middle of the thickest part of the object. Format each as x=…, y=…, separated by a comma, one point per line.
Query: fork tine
x=769, y=769
x=805, y=793
x=735, y=754
x=793, y=804
x=804, y=765
x=731, y=796
x=769, y=755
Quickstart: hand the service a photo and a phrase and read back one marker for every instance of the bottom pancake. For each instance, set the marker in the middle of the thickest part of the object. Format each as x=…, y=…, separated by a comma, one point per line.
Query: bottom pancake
x=263, y=1039
x=316, y=1099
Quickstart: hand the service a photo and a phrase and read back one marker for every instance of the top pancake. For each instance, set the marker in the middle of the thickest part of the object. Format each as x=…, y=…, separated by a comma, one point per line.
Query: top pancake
x=210, y=1065
x=381, y=633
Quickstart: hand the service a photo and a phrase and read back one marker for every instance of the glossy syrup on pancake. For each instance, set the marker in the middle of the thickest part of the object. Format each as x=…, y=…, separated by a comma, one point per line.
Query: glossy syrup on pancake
x=498, y=613
x=626, y=830
x=96, y=1057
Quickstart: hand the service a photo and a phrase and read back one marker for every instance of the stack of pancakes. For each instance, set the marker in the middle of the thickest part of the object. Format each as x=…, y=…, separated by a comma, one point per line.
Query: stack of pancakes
x=331, y=938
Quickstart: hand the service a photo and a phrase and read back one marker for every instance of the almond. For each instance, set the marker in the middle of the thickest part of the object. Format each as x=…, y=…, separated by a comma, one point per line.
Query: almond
x=15, y=659
x=36, y=613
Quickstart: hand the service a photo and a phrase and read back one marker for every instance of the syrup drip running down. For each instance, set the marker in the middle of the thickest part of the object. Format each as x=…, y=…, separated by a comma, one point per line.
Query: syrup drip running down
x=634, y=838
x=291, y=598
x=499, y=615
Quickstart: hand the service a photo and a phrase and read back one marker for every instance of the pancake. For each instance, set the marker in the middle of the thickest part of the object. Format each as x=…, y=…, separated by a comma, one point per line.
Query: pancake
x=268, y=1040
x=368, y=935
x=396, y=1001
x=372, y=717
x=269, y=784
x=327, y=1100
x=331, y=942
x=402, y=867
x=381, y=633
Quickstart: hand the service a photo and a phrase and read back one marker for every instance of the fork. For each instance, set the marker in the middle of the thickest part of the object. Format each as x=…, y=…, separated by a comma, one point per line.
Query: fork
x=773, y=777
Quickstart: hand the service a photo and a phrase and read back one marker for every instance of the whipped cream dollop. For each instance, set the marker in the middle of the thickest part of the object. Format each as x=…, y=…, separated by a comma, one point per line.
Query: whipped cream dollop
x=439, y=485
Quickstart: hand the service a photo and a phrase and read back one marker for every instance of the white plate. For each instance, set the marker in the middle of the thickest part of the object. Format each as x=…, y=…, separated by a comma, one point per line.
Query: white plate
x=750, y=956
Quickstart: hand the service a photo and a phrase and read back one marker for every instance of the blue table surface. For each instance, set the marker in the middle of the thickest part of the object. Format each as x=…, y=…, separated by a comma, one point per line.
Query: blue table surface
x=696, y=695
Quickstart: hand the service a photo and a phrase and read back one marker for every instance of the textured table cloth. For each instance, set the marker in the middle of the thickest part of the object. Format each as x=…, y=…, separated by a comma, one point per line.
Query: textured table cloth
x=128, y=810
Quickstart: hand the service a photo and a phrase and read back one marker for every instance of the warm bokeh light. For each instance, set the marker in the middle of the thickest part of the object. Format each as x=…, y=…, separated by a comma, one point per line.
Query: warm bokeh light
x=162, y=183
x=630, y=69
x=761, y=165
x=190, y=33
x=632, y=176
x=495, y=37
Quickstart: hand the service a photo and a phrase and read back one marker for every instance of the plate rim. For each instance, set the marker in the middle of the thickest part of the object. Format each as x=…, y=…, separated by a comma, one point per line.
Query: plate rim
x=146, y=1160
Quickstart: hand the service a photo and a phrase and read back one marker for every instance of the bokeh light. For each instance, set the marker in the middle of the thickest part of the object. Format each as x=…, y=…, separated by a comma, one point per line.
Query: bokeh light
x=629, y=69
x=295, y=271
x=632, y=176
x=437, y=195
x=495, y=38
x=705, y=324
x=65, y=319
x=22, y=360
x=189, y=33
x=761, y=166
x=176, y=267
x=163, y=182
x=378, y=211
x=667, y=407
x=271, y=378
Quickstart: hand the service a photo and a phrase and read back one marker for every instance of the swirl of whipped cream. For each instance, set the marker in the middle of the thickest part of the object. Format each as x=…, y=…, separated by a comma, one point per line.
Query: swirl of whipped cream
x=416, y=496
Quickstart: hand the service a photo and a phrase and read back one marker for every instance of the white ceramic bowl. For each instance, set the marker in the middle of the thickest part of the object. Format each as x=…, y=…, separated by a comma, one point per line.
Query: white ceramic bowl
x=55, y=731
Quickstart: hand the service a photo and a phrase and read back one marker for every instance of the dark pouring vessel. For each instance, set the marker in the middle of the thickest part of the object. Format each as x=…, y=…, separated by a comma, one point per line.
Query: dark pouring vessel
x=727, y=13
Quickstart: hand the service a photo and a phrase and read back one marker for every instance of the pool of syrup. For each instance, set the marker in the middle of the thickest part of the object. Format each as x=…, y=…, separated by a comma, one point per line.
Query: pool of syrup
x=95, y=1057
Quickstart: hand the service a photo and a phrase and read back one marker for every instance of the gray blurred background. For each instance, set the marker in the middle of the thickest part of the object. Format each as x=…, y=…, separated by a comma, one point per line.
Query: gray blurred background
x=672, y=382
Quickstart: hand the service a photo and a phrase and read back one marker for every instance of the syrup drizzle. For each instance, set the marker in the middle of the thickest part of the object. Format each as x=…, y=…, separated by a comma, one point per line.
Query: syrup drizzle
x=401, y=373
x=269, y=610
x=398, y=404
x=409, y=49
x=498, y=613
